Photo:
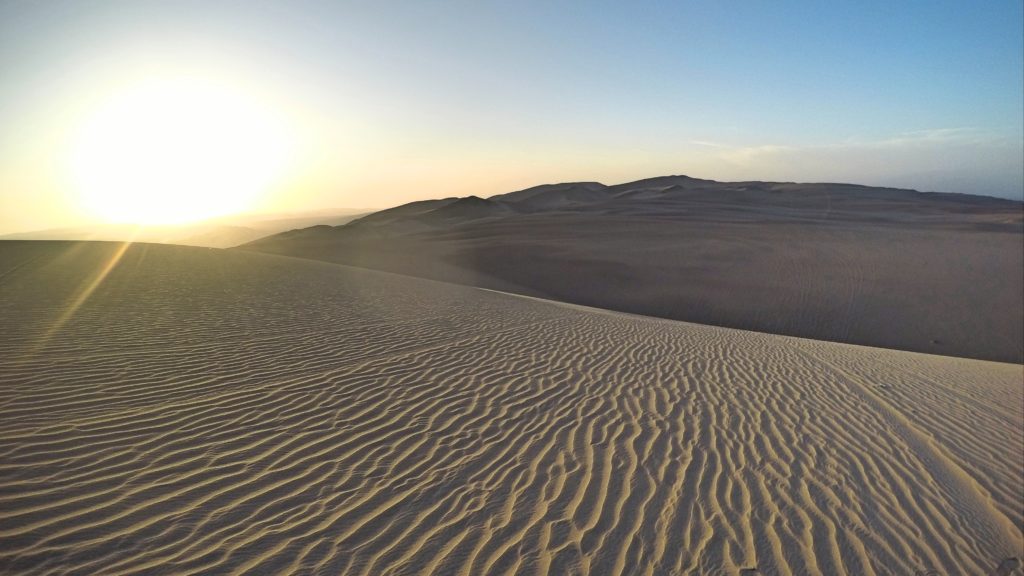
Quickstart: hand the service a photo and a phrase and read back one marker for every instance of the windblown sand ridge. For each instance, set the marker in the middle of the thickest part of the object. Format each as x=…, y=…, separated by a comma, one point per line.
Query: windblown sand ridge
x=935, y=273
x=181, y=410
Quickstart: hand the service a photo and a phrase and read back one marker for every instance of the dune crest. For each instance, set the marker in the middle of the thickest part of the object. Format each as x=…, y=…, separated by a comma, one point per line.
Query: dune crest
x=229, y=412
x=879, y=267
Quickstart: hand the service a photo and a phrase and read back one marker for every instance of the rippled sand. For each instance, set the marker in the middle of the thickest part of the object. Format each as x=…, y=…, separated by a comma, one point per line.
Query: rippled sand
x=194, y=411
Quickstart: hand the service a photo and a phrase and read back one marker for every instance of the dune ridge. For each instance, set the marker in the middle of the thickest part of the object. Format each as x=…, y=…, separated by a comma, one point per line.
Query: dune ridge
x=229, y=412
x=901, y=269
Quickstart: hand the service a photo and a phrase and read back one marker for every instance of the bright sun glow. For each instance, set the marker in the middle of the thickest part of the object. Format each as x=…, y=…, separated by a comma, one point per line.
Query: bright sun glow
x=177, y=150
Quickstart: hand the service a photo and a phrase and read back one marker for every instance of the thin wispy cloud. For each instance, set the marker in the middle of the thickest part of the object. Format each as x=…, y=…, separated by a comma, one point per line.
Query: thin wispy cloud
x=708, y=144
x=938, y=136
x=961, y=159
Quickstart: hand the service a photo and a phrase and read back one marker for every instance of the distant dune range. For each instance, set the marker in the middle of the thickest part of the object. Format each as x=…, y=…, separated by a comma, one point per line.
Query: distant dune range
x=174, y=410
x=937, y=273
x=217, y=233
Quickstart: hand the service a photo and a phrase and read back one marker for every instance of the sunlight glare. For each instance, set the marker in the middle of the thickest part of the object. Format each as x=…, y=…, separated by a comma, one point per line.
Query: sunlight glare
x=177, y=150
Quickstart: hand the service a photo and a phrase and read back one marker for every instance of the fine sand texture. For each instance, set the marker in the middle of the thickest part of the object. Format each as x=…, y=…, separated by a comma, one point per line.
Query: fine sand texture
x=935, y=273
x=173, y=410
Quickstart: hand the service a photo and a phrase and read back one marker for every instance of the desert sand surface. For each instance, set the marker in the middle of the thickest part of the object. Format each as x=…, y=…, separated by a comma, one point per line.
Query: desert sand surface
x=173, y=410
x=926, y=272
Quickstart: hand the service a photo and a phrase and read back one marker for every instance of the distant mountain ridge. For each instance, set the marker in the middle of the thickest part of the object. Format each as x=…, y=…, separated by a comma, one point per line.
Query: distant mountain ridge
x=661, y=191
x=218, y=233
x=888, y=267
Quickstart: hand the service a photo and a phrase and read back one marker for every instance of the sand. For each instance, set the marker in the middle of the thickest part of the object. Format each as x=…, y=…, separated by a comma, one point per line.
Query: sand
x=934, y=273
x=203, y=411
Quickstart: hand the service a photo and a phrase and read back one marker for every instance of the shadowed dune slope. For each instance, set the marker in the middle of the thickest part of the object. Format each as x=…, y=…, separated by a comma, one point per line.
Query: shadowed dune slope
x=197, y=411
x=935, y=273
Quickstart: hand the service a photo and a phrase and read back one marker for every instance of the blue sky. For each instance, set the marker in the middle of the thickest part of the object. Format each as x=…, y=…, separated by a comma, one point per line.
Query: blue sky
x=406, y=100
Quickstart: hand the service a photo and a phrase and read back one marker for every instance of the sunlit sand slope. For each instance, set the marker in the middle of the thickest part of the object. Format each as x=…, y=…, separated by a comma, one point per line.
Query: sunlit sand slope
x=196, y=411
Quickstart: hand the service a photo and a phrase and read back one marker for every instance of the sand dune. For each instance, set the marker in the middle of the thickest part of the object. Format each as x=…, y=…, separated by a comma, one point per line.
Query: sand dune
x=197, y=411
x=935, y=273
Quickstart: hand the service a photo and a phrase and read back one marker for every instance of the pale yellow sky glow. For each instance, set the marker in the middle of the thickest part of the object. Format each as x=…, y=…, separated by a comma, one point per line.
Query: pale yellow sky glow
x=175, y=149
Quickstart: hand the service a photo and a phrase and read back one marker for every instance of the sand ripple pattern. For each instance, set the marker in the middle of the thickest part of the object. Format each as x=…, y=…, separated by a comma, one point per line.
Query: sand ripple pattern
x=210, y=412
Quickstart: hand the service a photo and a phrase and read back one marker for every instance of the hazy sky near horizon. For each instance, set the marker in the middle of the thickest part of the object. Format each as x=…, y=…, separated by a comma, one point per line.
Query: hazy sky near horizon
x=381, y=103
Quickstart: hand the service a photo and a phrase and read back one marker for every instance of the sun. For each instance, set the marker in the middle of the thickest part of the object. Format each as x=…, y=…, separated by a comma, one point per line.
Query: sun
x=177, y=150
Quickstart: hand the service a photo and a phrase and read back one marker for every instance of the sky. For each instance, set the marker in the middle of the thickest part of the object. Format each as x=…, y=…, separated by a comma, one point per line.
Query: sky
x=296, y=106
